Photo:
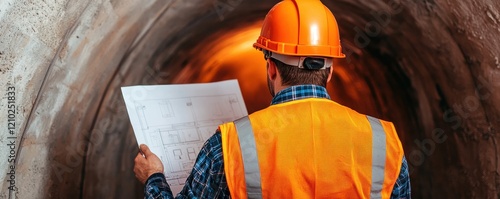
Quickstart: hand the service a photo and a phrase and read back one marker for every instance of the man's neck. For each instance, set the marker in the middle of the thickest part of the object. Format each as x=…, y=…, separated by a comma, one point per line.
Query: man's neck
x=280, y=88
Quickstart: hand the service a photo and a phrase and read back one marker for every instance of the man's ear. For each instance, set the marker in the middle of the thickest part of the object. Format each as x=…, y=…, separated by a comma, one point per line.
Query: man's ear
x=272, y=72
x=330, y=74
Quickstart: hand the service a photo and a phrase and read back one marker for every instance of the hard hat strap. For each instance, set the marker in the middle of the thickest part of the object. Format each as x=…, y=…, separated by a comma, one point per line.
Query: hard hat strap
x=301, y=62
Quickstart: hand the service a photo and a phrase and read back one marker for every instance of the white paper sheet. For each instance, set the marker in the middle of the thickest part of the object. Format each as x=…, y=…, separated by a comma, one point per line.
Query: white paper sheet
x=176, y=120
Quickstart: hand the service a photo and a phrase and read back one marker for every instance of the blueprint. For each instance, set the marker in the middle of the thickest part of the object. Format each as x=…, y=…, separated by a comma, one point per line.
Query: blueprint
x=176, y=120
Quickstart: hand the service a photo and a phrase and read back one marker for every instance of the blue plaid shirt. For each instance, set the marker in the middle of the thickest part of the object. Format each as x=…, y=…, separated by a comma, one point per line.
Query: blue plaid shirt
x=207, y=179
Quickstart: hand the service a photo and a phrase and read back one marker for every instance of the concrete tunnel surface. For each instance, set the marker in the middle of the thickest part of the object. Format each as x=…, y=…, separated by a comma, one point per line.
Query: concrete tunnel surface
x=430, y=66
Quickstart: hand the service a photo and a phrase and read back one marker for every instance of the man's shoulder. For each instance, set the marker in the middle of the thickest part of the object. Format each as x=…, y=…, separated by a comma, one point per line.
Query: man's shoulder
x=213, y=146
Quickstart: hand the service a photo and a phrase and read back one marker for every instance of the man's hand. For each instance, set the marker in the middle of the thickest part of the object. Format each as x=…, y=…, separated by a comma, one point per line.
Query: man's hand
x=146, y=165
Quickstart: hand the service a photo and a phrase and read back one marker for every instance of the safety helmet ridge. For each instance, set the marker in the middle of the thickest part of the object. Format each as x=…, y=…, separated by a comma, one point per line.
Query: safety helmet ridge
x=300, y=28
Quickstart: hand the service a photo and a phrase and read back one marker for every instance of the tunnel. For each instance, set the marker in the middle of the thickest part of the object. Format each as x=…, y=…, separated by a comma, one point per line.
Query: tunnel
x=430, y=66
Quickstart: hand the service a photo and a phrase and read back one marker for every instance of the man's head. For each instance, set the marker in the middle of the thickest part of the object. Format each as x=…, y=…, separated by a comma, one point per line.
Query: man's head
x=299, y=39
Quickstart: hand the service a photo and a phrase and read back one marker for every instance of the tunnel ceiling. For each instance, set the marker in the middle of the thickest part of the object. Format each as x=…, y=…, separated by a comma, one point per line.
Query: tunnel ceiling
x=431, y=67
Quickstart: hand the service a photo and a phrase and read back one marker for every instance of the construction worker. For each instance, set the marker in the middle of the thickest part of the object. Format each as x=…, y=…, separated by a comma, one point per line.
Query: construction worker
x=302, y=146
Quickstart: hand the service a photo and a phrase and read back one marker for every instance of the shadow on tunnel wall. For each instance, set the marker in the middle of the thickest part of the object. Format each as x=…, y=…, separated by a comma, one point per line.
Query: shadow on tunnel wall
x=431, y=67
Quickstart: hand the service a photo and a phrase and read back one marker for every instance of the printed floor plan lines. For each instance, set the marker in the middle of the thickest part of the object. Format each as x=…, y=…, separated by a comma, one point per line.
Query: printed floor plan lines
x=175, y=120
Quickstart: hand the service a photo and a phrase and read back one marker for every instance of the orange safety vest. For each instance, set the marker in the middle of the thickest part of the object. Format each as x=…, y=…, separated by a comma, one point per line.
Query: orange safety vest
x=310, y=148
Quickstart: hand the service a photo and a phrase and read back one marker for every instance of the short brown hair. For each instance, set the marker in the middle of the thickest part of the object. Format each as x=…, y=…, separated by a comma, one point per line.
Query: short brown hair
x=293, y=75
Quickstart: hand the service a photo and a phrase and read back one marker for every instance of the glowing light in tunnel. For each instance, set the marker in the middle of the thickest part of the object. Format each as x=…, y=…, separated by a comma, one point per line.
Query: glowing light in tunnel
x=233, y=55
x=230, y=55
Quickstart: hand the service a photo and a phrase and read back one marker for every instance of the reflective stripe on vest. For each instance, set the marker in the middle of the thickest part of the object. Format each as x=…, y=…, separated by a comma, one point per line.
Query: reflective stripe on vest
x=378, y=157
x=249, y=155
x=251, y=164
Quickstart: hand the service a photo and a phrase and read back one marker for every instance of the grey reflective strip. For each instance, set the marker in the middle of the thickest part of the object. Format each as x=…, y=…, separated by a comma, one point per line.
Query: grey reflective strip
x=249, y=155
x=378, y=157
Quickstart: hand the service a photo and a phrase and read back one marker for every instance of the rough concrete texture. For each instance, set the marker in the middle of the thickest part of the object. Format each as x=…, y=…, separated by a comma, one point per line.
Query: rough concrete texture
x=432, y=67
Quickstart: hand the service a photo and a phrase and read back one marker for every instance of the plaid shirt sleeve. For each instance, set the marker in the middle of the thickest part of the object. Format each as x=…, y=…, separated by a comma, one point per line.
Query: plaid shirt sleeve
x=402, y=188
x=207, y=179
x=157, y=187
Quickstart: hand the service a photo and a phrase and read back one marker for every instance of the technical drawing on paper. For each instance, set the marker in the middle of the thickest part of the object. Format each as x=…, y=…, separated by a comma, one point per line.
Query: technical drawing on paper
x=181, y=126
x=175, y=127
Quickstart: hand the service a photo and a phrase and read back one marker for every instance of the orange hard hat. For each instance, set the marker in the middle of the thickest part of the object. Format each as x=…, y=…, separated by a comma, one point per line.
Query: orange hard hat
x=300, y=28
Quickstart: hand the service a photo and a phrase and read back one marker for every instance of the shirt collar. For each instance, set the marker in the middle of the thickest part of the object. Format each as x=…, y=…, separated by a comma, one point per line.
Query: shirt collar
x=300, y=92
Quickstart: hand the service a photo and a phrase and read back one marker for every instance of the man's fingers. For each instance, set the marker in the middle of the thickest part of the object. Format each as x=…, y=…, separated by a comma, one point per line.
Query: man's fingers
x=145, y=149
x=138, y=157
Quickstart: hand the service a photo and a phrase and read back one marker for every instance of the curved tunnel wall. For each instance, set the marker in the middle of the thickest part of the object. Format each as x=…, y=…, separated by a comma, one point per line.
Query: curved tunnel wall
x=430, y=66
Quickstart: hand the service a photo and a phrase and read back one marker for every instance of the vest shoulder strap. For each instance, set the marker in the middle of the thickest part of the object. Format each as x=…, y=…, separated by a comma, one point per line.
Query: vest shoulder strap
x=249, y=156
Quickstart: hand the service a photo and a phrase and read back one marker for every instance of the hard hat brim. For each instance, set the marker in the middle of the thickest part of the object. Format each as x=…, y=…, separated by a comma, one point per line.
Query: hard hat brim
x=299, y=50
